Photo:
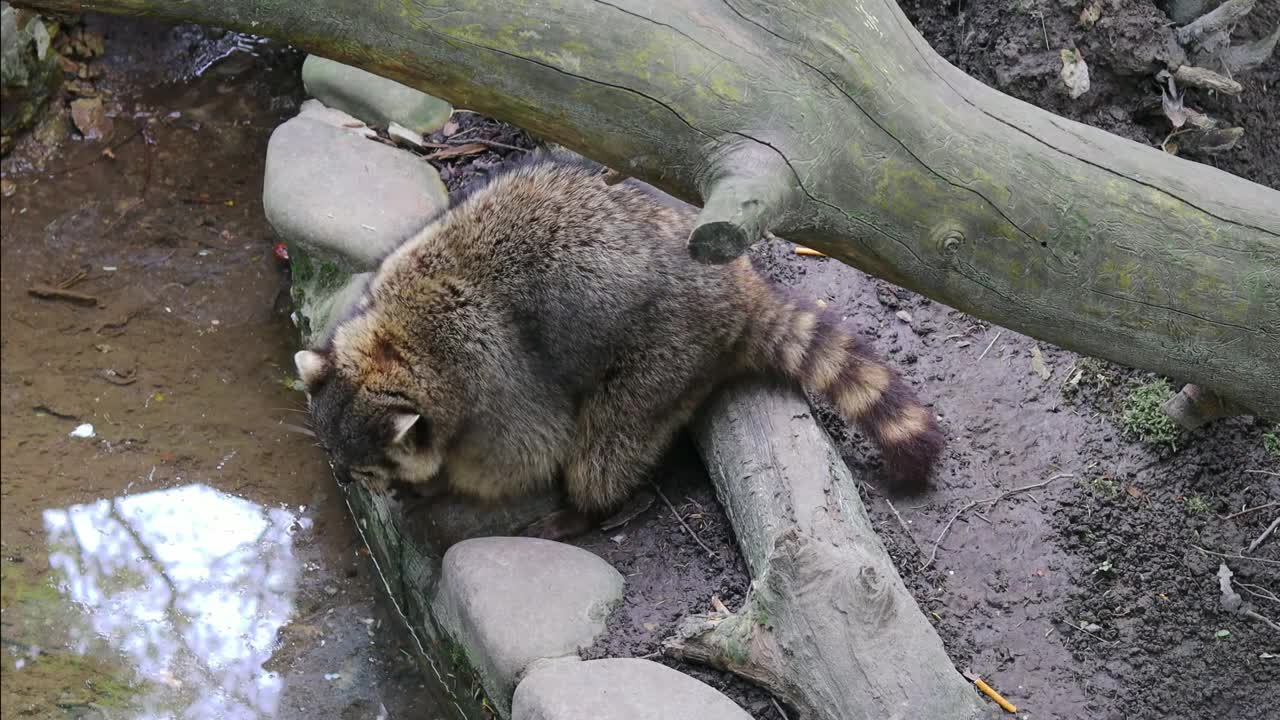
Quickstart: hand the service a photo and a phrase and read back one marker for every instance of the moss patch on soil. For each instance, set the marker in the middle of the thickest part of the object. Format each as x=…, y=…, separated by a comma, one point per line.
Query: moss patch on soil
x=1142, y=415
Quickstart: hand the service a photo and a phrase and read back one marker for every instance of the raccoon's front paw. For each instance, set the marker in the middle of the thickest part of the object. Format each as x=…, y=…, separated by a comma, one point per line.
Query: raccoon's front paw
x=560, y=525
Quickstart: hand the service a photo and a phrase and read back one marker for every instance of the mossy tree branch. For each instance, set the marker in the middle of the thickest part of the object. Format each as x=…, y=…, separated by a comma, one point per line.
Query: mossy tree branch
x=899, y=164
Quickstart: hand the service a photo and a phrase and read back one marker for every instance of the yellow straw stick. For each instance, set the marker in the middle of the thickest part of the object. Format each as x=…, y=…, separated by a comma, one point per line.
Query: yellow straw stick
x=989, y=692
x=802, y=250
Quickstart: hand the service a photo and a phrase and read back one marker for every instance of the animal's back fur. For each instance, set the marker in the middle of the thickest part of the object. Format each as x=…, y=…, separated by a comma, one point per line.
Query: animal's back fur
x=550, y=325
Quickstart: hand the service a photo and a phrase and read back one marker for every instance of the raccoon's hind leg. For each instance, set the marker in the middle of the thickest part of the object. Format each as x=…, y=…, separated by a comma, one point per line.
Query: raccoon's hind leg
x=625, y=427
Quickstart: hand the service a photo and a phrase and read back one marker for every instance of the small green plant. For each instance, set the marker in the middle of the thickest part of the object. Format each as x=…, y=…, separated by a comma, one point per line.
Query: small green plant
x=1105, y=568
x=1143, y=417
x=1271, y=441
x=1196, y=505
x=1104, y=487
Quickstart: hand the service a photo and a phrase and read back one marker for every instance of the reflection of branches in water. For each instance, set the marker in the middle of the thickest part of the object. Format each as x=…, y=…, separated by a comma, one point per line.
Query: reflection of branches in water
x=224, y=605
x=181, y=623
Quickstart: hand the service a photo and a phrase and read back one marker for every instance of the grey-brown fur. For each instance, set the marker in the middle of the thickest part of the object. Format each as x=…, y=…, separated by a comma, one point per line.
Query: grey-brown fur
x=551, y=327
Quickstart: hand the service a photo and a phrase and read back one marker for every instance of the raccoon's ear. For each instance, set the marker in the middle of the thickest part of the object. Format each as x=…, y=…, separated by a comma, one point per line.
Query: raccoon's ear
x=401, y=425
x=312, y=367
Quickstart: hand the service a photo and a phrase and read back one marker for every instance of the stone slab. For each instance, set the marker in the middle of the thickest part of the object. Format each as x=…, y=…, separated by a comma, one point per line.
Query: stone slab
x=374, y=99
x=341, y=194
x=511, y=601
x=618, y=689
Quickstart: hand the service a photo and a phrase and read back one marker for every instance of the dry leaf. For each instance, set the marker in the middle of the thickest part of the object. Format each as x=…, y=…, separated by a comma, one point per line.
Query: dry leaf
x=1075, y=72
x=1171, y=102
x=1091, y=13
x=1037, y=363
x=457, y=151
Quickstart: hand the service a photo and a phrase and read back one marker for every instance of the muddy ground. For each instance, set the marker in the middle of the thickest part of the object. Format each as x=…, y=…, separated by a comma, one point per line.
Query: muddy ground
x=1094, y=596
x=178, y=358
x=1014, y=45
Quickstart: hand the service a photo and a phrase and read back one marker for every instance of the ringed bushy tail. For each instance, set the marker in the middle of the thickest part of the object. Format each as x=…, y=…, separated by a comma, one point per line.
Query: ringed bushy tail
x=810, y=345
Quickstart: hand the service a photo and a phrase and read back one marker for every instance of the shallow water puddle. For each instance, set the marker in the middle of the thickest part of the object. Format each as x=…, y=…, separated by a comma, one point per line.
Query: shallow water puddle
x=183, y=590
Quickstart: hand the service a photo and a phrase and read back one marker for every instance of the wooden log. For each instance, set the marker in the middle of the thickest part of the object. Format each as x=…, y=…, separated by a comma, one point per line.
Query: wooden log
x=833, y=124
x=828, y=627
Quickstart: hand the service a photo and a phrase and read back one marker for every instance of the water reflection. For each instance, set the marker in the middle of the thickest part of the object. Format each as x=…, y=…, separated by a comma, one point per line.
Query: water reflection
x=188, y=586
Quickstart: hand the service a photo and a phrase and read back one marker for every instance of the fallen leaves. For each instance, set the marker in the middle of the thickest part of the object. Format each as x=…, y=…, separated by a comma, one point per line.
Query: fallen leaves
x=1037, y=363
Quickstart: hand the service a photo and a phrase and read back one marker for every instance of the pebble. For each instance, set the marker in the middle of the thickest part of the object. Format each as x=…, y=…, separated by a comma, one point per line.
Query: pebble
x=83, y=431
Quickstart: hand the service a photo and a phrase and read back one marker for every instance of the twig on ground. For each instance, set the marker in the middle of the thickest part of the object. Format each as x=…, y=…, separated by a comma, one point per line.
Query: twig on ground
x=495, y=143
x=933, y=555
x=778, y=707
x=719, y=605
x=902, y=524
x=989, y=346
x=1258, y=591
x=1086, y=632
x=108, y=152
x=1264, y=472
x=1229, y=556
x=72, y=280
x=1253, y=615
x=45, y=292
x=684, y=524
x=1246, y=511
x=1263, y=537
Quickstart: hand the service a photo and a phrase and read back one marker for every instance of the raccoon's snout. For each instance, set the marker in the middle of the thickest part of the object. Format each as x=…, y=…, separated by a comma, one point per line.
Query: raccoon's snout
x=341, y=474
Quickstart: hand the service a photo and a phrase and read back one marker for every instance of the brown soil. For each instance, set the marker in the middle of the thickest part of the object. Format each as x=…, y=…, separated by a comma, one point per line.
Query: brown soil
x=1013, y=46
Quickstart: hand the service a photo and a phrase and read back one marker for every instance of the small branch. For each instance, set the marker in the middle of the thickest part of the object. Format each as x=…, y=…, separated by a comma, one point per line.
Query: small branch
x=1263, y=537
x=933, y=555
x=1255, y=508
x=1192, y=76
x=1086, y=632
x=749, y=190
x=902, y=524
x=684, y=524
x=1254, y=615
x=1194, y=406
x=1223, y=17
x=45, y=292
x=1230, y=556
x=989, y=346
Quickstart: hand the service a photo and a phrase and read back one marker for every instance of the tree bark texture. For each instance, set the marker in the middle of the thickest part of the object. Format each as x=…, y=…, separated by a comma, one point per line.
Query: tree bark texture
x=834, y=124
x=828, y=626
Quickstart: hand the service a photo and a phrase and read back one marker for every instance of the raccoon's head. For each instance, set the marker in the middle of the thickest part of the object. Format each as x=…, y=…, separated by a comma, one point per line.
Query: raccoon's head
x=374, y=424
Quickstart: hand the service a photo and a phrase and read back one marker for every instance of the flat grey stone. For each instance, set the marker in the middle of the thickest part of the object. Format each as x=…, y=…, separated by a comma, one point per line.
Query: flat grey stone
x=511, y=601
x=349, y=198
x=373, y=98
x=618, y=689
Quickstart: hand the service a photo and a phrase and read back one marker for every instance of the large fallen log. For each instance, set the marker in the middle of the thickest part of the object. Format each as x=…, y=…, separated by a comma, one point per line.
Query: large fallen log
x=833, y=123
x=828, y=626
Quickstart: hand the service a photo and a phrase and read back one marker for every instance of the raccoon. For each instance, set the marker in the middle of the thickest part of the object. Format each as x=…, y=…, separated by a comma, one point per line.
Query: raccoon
x=551, y=329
